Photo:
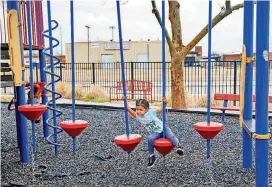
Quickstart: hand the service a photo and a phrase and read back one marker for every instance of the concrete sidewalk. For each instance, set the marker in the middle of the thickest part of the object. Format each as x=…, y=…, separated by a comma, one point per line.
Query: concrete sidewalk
x=120, y=104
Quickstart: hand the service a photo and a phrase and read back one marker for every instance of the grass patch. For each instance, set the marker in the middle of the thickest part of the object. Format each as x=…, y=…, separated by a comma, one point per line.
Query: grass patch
x=6, y=98
x=97, y=93
x=97, y=100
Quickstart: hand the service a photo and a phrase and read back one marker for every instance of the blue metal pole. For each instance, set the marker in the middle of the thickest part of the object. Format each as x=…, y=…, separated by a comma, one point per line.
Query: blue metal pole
x=73, y=59
x=122, y=64
x=20, y=91
x=31, y=71
x=13, y=6
x=262, y=89
x=17, y=121
x=52, y=76
x=73, y=69
x=248, y=42
x=74, y=145
x=44, y=98
x=24, y=156
x=163, y=68
x=209, y=74
x=209, y=63
x=30, y=51
x=208, y=148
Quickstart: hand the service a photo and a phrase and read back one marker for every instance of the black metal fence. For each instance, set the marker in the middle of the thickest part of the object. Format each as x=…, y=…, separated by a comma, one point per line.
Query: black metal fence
x=225, y=76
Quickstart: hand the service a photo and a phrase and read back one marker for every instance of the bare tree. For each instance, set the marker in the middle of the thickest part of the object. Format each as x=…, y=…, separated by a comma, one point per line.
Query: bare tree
x=178, y=50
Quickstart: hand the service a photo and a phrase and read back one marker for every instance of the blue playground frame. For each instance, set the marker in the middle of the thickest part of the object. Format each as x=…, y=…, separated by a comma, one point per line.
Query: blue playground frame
x=262, y=88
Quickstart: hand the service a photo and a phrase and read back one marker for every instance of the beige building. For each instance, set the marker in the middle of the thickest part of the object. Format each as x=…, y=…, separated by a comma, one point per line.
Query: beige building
x=102, y=51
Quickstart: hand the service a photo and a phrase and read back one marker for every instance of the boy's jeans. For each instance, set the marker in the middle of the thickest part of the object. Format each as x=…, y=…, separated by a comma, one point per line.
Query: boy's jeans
x=35, y=101
x=153, y=136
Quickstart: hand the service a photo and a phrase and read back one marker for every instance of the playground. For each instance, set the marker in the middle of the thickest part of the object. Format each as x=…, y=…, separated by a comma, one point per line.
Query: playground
x=48, y=143
x=99, y=162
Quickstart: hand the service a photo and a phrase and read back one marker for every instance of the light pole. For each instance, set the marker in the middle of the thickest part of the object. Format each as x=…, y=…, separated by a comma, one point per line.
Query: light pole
x=112, y=27
x=60, y=40
x=88, y=33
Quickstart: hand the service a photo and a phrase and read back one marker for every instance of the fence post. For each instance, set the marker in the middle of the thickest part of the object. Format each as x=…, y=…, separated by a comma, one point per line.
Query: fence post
x=132, y=77
x=131, y=70
x=60, y=70
x=93, y=73
x=235, y=80
x=37, y=72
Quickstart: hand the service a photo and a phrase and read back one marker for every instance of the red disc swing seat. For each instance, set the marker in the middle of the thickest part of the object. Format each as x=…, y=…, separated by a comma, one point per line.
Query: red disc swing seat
x=208, y=131
x=74, y=128
x=129, y=143
x=32, y=112
x=163, y=146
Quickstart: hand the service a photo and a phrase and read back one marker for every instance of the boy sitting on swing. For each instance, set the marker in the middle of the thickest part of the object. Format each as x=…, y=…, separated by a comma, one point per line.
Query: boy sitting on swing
x=148, y=118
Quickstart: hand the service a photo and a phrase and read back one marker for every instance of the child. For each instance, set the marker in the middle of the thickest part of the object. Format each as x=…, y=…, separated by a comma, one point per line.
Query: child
x=148, y=118
x=37, y=95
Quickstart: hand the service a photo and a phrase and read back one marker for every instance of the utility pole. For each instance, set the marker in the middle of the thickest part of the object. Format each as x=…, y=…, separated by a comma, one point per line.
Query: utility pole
x=88, y=33
x=148, y=59
x=61, y=41
x=112, y=27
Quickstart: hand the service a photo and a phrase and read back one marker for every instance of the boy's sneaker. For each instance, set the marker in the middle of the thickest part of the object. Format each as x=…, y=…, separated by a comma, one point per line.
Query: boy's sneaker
x=38, y=121
x=179, y=150
x=151, y=161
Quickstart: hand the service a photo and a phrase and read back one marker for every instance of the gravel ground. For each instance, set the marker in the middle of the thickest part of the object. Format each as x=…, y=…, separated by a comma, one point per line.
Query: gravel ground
x=99, y=162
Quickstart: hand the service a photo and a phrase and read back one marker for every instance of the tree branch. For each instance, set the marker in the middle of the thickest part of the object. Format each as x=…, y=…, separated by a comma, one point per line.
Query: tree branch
x=174, y=17
x=228, y=5
x=219, y=17
x=157, y=15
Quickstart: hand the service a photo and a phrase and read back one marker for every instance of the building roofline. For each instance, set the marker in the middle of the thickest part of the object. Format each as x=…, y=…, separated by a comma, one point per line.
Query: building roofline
x=154, y=41
x=132, y=41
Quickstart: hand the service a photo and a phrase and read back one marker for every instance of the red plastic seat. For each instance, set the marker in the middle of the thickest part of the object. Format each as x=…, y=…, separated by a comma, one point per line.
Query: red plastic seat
x=128, y=143
x=208, y=131
x=32, y=112
x=163, y=146
x=74, y=128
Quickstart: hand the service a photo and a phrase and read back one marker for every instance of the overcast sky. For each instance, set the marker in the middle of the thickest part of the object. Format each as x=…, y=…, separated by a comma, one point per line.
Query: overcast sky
x=139, y=23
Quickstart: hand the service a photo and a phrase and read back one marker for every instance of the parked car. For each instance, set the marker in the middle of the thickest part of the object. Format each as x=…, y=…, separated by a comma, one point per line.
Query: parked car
x=193, y=64
x=60, y=65
x=35, y=64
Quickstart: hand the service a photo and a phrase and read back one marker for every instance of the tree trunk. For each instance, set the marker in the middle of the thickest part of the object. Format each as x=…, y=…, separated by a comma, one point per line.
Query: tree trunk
x=177, y=82
x=178, y=50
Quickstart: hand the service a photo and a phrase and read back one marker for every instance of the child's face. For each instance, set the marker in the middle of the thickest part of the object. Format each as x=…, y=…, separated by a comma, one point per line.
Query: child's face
x=140, y=110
